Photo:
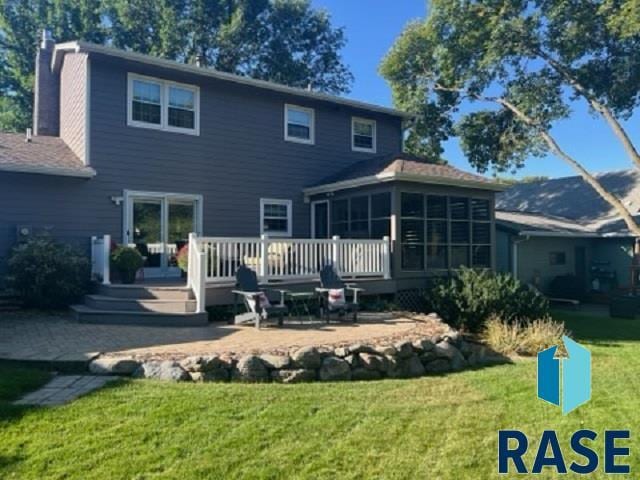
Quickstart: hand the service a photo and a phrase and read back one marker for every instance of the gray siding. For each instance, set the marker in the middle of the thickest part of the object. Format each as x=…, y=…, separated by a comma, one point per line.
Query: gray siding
x=618, y=255
x=239, y=157
x=73, y=96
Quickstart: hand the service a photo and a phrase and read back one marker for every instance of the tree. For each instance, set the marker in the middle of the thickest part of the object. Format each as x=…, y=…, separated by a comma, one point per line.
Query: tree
x=282, y=41
x=519, y=65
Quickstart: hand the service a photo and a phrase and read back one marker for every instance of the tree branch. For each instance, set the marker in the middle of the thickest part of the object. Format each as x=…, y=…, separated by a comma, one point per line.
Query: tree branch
x=599, y=107
x=553, y=145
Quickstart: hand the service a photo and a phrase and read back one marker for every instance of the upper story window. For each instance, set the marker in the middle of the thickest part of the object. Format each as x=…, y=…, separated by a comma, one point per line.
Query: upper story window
x=299, y=124
x=275, y=217
x=163, y=105
x=363, y=135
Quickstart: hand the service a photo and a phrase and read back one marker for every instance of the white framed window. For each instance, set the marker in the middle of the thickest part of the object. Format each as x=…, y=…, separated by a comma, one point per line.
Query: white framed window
x=363, y=135
x=162, y=105
x=275, y=217
x=299, y=124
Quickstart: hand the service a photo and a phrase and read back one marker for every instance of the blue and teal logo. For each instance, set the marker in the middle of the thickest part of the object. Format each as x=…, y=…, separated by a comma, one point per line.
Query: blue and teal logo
x=565, y=382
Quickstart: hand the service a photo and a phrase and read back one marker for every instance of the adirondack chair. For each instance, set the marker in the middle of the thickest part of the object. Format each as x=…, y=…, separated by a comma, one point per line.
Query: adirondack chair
x=255, y=299
x=332, y=284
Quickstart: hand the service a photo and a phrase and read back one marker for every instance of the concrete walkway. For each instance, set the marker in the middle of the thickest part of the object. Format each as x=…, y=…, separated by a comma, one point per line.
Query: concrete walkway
x=63, y=389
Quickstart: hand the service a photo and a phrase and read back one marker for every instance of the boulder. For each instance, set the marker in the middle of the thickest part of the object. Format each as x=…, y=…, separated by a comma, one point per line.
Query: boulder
x=439, y=365
x=334, y=369
x=293, y=376
x=407, y=367
x=360, y=348
x=423, y=345
x=404, y=349
x=427, y=357
x=341, y=352
x=446, y=350
x=353, y=360
x=374, y=362
x=453, y=336
x=478, y=355
x=385, y=350
x=251, y=368
x=365, y=374
x=114, y=366
x=307, y=358
x=167, y=370
x=276, y=362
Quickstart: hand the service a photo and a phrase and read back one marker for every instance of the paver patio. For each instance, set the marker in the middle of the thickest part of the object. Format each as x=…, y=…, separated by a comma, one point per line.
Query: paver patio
x=60, y=338
x=64, y=388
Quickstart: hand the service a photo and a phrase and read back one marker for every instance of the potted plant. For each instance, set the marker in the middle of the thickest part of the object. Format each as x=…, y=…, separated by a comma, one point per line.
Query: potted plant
x=126, y=261
x=183, y=259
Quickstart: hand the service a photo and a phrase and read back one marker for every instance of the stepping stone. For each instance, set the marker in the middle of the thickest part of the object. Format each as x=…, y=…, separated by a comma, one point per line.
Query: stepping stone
x=63, y=389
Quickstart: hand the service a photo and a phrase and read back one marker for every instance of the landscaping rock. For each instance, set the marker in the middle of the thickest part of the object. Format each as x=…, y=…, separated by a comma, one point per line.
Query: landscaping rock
x=404, y=349
x=414, y=367
x=423, y=345
x=307, y=357
x=353, y=360
x=341, y=352
x=427, y=357
x=167, y=370
x=251, y=368
x=453, y=336
x=334, y=369
x=445, y=349
x=374, y=362
x=440, y=365
x=114, y=366
x=360, y=348
x=276, y=362
x=478, y=355
x=365, y=374
x=386, y=350
x=293, y=376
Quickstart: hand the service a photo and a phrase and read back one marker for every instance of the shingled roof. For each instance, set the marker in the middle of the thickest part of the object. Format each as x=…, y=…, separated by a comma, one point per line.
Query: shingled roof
x=572, y=202
x=44, y=155
x=400, y=167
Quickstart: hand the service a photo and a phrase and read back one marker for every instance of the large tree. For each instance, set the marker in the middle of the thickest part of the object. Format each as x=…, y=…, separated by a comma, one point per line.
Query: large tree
x=285, y=41
x=517, y=66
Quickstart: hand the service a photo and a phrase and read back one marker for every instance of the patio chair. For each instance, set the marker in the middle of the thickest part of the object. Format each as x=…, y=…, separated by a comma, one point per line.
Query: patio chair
x=259, y=307
x=333, y=294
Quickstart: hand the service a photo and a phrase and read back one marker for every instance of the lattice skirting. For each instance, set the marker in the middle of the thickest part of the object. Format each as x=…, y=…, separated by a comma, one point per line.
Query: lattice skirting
x=412, y=300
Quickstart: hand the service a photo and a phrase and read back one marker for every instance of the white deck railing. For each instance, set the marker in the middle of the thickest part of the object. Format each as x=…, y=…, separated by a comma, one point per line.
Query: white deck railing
x=292, y=259
x=196, y=277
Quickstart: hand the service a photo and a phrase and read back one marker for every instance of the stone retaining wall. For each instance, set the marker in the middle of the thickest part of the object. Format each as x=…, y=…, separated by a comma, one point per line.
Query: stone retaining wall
x=402, y=359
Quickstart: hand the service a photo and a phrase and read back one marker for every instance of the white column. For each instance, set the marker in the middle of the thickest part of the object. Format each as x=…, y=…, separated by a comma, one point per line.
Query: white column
x=386, y=254
x=263, y=267
x=335, y=252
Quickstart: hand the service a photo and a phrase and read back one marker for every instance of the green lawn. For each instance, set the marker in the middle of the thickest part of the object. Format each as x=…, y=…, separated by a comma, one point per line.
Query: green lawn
x=433, y=427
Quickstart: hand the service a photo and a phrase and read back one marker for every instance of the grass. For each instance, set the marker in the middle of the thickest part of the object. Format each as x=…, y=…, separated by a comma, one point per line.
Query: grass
x=432, y=427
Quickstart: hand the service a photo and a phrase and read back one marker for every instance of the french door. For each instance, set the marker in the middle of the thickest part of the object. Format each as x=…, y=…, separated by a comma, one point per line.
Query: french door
x=158, y=226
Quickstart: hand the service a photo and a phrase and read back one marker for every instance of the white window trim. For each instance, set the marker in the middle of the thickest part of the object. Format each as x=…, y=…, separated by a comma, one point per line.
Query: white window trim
x=374, y=139
x=164, y=105
x=277, y=201
x=312, y=130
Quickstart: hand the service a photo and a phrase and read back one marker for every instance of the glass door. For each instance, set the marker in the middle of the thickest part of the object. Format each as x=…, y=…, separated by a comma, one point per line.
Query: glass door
x=158, y=226
x=320, y=219
x=146, y=234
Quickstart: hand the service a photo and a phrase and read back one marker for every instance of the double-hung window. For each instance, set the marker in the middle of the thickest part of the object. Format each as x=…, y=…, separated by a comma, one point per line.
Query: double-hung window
x=163, y=105
x=299, y=124
x=363, y=135
x=275, y=217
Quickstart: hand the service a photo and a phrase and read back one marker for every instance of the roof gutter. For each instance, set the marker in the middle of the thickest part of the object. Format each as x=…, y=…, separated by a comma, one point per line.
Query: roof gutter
x=401, y=176
x=85, y=172
x=540, y=233
x=79, y=46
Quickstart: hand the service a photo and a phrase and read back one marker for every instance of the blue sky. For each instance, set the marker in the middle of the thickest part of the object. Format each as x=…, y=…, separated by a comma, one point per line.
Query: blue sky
x=371, y=28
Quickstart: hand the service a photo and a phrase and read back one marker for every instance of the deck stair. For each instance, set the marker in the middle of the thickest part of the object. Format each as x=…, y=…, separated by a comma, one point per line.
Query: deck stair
x=141, y=304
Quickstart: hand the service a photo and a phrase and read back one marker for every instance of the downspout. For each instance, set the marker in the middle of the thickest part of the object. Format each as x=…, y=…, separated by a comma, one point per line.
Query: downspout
x=514, y=247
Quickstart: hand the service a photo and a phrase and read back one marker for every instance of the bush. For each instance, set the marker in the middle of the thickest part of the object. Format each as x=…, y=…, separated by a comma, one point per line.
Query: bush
x=522, y=338
x=467, y=300
x=183, y=258
x=48, y=274
x=127, y=261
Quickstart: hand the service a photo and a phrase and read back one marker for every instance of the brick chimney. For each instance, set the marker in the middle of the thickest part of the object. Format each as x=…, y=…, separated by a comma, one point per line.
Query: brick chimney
x=46, y=105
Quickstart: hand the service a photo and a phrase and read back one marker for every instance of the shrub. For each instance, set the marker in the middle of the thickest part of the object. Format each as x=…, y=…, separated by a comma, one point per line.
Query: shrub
x=127, y=261
x=522, y=338
x=48, y=274
x=183, y=258
x=467, y=300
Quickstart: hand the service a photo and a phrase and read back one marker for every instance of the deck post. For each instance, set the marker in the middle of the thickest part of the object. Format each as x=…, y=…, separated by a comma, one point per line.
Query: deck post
x=386, y=257
x=335, y=252
x=263, y=267
x=106, y=259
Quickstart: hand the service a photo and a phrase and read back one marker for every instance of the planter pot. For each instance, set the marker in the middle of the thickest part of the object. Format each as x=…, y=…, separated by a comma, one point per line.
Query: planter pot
x=128, y=277
x=624, y=306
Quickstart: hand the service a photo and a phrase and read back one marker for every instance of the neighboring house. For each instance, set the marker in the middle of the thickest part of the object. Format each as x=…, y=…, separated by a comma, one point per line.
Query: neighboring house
x=148, y=150
x=563, y=227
